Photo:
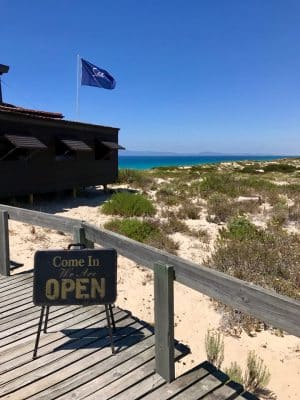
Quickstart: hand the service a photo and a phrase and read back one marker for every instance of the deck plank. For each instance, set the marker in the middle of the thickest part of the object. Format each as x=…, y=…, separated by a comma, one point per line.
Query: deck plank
x=140, y=388
x=51, y=341
x=14, y=281
x=26, y=287
x=199, y=389
x=70, y=364
x=112, y=382
x=171, y=389
x=223, y=393
x=74, y=357
x=56, y=318
x=108, y=366
x=55, y=366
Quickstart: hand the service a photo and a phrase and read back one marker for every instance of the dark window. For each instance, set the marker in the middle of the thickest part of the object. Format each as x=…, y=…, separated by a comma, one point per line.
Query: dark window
x=5, y=148
x=10, y=152
x=63, y=152
x=102, y=152
x=76, y=145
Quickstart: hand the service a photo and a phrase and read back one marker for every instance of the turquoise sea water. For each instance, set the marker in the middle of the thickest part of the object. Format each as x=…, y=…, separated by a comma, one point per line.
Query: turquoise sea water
x=146, y=162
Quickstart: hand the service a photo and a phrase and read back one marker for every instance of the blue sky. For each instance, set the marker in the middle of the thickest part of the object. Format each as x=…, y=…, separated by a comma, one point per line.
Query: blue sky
x=192, y=76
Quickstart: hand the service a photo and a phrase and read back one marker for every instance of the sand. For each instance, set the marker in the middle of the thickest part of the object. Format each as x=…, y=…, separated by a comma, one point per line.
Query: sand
x=194, y=312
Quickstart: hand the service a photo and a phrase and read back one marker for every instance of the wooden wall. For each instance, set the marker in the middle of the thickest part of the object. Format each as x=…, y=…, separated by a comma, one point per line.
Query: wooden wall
x=43, y=172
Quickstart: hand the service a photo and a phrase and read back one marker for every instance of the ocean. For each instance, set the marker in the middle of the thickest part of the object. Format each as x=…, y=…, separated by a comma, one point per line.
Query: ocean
x=147, y=162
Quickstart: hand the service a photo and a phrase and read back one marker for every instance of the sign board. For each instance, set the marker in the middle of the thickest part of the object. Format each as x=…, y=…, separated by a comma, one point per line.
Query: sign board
x=75, y=277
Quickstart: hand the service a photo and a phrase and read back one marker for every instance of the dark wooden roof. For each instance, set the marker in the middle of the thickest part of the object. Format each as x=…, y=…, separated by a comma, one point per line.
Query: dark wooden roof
x=20, y=110
x=36, y=117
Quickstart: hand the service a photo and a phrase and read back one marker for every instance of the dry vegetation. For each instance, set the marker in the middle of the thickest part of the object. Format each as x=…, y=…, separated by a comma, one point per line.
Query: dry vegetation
x=256, y=376
x=245, y=215
x=240, y=218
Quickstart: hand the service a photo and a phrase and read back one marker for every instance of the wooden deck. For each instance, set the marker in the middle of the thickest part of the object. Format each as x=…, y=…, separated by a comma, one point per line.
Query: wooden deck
x=75, y=361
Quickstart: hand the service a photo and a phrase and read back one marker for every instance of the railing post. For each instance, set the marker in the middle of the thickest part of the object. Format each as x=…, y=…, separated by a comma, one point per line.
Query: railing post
x=164, y=320
x=80, y=237
x=4, y=244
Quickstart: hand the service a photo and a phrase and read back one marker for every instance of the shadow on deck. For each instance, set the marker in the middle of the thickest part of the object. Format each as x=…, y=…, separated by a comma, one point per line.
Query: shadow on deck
x=75, y=361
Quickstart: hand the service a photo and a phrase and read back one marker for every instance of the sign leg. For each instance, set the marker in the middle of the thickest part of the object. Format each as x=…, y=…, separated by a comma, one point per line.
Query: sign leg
x=38, y=333
x=112, y=317
x=109, y=329
x=46, y=319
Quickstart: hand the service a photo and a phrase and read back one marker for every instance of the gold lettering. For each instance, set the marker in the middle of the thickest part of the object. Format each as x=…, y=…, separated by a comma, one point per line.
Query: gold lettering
x=67, y=285
x=52, y=289
x=81, y=288
x=73, y=262
x=56, y=261
x=97, y=287
x=93, y=262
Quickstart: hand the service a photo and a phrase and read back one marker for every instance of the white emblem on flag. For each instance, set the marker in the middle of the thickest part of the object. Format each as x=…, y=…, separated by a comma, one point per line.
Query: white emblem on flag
x=98, y=74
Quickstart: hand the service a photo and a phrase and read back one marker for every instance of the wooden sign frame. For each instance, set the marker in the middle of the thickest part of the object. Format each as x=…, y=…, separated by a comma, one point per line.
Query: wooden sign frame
x=75, y=277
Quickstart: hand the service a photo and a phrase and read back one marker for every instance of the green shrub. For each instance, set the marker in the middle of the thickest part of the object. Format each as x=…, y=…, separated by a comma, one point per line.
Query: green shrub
x=233, y=185
x=168, y=172
x=147, y=232
x=270, y=257
x=257, y=375
x=273, y=167
x=223, y=183
x=214, y=346
x=280, y=167
x=219, y=208
x=258, y=183
x=135, y=178
x=240, y=228
x=133, y=228
x=235, y=373
x=169, y=195
x=251, y=169
x=128, y=205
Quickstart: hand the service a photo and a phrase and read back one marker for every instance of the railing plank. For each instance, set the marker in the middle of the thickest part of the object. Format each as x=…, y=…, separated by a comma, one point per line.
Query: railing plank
x=4, y=244
x=164, y=321
x=279, y=311
x=41, y=219
x=266, y=305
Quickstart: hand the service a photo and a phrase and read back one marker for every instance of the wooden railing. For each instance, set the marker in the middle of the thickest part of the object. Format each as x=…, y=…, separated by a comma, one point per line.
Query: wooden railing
x=266, y=305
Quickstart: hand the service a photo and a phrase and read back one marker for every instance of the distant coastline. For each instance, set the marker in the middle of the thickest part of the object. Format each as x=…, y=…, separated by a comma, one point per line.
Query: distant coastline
x=151, y=161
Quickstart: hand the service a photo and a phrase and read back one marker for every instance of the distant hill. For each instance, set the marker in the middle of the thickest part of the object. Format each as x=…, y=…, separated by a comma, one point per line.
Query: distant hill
x=164, y=154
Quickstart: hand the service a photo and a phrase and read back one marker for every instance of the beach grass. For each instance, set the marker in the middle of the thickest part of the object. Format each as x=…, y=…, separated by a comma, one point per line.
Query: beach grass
x=253, y=208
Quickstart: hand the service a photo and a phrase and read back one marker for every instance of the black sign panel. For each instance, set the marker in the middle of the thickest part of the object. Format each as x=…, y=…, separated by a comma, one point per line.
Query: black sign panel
x=72, y=277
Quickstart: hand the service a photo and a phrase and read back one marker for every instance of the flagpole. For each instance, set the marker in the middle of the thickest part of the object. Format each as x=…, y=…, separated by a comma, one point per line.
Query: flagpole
x=78, y=79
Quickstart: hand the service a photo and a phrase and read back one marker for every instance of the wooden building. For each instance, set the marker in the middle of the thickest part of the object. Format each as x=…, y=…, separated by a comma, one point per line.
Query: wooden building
x=42, y=152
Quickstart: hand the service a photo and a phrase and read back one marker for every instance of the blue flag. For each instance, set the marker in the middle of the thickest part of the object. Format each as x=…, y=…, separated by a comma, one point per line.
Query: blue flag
x=91, y=75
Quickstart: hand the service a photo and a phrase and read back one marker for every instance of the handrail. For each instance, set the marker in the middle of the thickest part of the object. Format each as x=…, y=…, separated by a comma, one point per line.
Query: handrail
x=280, y=311
x=42, y=219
